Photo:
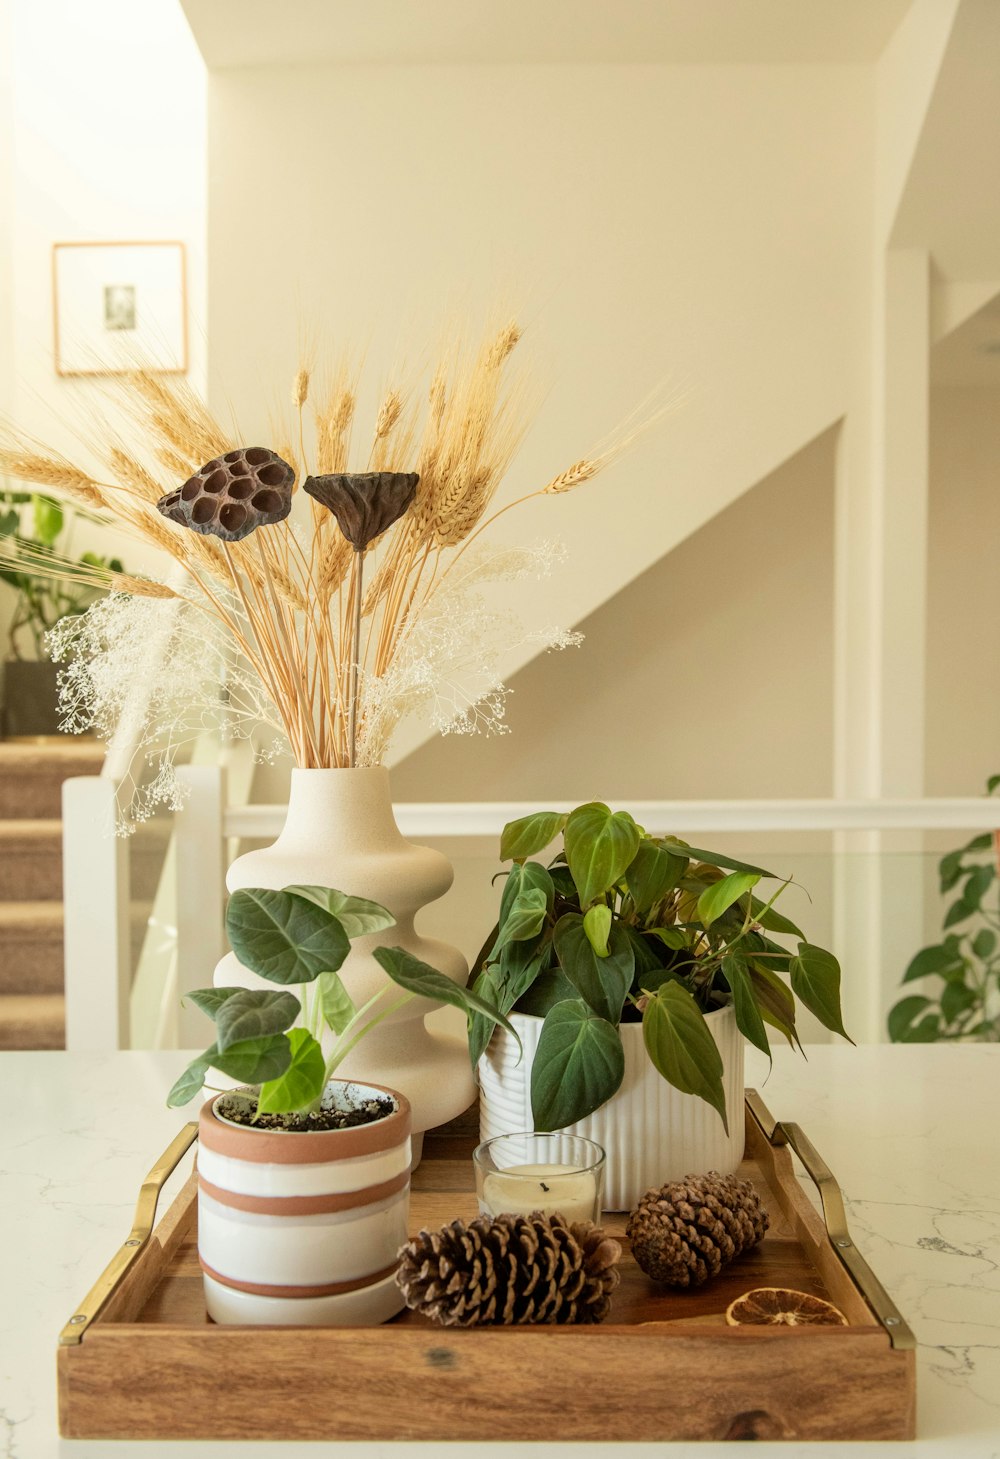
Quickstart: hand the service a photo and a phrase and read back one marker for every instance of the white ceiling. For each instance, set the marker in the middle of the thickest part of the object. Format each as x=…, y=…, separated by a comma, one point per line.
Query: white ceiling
x=293, y=32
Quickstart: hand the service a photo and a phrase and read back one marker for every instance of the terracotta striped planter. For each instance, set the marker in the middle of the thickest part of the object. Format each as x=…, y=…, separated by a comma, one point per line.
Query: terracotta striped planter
x=650, y=1131
x=304, y=1228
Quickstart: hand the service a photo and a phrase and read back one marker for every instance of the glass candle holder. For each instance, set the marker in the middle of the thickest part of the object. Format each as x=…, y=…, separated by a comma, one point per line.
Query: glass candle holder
x=522, y=1173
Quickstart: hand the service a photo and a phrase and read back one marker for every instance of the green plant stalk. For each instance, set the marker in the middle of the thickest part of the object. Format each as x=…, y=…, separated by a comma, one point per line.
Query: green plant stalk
x=339, y=1053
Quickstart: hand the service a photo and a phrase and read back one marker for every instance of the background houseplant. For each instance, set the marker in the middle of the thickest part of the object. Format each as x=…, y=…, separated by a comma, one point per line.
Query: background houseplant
x=630, y=947
x=965, y=1003
x=321, y=1166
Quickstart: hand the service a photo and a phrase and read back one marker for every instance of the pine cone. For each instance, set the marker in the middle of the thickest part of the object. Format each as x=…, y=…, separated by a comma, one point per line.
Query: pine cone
x=509, y=1270
x=690, y=1229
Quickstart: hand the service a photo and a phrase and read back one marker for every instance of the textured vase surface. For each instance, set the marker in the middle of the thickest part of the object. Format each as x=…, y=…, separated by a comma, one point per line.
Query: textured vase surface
x=340, y=832
x=651, y=1132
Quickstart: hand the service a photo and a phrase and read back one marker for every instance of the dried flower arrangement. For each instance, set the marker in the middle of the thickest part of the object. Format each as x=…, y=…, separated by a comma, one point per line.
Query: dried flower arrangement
x=328, y=621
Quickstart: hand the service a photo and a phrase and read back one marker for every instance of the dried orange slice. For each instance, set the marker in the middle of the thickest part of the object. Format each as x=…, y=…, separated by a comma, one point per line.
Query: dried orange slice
x=782, y=1307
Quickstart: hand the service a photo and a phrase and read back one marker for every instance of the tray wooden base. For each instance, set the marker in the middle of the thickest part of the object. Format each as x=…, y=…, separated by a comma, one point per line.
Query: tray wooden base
x=665, y=1366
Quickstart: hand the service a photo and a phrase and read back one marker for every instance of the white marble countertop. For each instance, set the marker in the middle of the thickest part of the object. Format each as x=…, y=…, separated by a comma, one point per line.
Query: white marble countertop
x=910, y=1133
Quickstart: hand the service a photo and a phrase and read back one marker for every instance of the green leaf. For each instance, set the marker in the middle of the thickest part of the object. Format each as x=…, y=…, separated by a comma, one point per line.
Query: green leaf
x=721, y=895
x=481, y=1027
x=653, y=872
x=520, y=964
x=681, y=1047
x=579, y=1064
x=603, y=982
x=992, y=784
x=984, y=943
x=426, y=982
x=957, y=999
x=903, y=1014
x=531, y=876
x=284, y=937
x=358, y=917
x=934, y=961
x=599, y=848
x=302, y=1083
x=977, y=886
x=549, y=989
x=254, y=1061
x=48, y=519
x=336, y=1004
x=712, y=858
x=254, y=1013
x=531, y=834
x=210, y=1000
x=525, y=918
x=748, y=1015
x=776, y=1004
x=773, y=920
x=982, y=842
x=671, y=937
x=191, y=1081
x=959, y=911
x=815, y=978
x=949, y=870
x=924, y=1032
x=597, y=925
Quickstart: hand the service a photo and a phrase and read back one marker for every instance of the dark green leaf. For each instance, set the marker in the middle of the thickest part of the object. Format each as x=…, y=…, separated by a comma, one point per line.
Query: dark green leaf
x=254, y=1013
x=525, y=918
x=191, y=1081
x=520, y=965
x=773, y=920
x=531, y=834
x=418, y=977
x=977, y=886
x=254, y=1061
x=648, y=953
x=599, y=847
x=531, y=876
x=984, y=943
x=979, y=843
x=671, y=937
x=579, y=1064
x=653, y=872
x=957, y=999
x=210, y=1000
x=748, y=1016
x=302, y=1083
x=815, y=979
x=681, y=1047
x=932, y=961
x=924, y=1032
x=481, y=1027
x=549, y=989
x=949, y=870
x=721, y=895
x=336, y=1004
x=712, y=858
x=992, y=784
x=903, y=1014
x=959, y=911
x=603, y=982
x=776, y=1004
x=283, y=937
x=357, y=916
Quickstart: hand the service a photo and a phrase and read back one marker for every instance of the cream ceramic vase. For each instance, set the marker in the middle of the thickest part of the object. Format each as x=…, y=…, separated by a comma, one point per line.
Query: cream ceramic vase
x=340, y=832
x=304, y=1229
x=651, y=1132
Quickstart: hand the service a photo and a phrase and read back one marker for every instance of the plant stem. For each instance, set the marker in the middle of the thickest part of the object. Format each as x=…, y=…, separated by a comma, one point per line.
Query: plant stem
x=357, y=576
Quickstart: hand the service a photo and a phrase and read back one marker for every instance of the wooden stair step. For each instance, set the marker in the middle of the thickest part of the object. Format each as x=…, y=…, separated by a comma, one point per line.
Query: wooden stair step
x=32, y=773
x=30, y=861
x=31, y=947
x=32, y=1021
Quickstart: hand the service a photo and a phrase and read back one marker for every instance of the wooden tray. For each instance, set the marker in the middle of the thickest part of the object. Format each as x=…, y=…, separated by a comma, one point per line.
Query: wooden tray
x=141, y=1360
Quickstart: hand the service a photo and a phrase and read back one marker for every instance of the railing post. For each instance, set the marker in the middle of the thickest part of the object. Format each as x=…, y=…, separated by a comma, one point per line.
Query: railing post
x=96, y=944
x=201, y=892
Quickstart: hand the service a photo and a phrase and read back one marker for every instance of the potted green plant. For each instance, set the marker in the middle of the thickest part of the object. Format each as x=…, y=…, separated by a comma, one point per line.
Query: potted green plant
x=303, y=1180
x=633, y=967
x=31, y=526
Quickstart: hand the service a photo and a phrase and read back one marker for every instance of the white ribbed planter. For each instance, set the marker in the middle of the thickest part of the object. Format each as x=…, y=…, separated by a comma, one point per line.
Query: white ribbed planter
x=651, y=1132
x=340, y=832
x=304, y=1229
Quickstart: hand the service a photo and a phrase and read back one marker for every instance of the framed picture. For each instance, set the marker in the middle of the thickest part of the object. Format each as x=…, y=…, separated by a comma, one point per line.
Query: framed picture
x=118, y=307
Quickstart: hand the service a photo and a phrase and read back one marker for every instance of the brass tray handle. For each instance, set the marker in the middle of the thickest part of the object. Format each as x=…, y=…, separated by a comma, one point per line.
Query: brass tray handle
x=142, y=1229
x=835, y=1219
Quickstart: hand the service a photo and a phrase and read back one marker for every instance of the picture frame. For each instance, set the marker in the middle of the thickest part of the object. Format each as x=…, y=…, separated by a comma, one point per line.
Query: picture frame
x=119, y=306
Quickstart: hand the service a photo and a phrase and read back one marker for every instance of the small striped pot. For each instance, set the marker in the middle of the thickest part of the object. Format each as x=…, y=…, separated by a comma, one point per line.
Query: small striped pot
x=304, y=1229
x=650, y=1131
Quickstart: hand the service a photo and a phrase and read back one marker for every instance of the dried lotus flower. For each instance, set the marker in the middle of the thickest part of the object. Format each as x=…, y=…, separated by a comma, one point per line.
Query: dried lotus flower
x=365, y=505
x=231, y=495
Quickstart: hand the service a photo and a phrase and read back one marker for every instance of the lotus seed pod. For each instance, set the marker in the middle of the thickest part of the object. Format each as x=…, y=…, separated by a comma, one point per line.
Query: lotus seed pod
x=365, y=504
x=233, y=494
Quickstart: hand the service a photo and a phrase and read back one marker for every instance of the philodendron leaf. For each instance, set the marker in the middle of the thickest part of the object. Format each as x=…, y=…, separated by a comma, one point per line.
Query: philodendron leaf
x=417, y=977
x=776, y=1004
x=284, y=937
x=903, y=1015
x=525, y=918
x=357, y=916
x=531, y=834
x=254, y=1013
x=603, y=982
x=653, y=872
x=937, y=959
x=480, y=1026
x=815, y=978
x=579, y=1064
x=712, y=858
x=597, y=925
x=773, y=920
x=531, y=876
x=520, y=965
x=302, y=1082
x=336, y=1004
x=748, y=1015
x=210, y=1000
x=599, y=847
x=254, y=1061
x=191, y=1081
x=681, y=1047
x=721, y=895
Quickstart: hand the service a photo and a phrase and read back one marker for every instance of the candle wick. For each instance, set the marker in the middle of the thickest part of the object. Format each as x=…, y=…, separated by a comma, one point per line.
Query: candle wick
x=543, y=1185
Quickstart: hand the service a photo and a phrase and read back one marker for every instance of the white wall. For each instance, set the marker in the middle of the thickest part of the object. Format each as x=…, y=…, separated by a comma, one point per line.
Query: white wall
x=105, y=138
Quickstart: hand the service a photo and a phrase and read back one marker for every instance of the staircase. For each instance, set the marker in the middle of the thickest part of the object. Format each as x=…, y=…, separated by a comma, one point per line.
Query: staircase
x=32, y=1011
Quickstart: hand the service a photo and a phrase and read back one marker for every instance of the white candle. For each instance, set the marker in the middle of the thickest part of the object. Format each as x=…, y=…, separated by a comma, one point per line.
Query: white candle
x=521, y=1189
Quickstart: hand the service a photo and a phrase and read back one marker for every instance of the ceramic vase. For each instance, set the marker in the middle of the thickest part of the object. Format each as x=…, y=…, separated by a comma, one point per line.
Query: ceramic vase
x=651, y=1132
x=303, y=1229
x=340, y=832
